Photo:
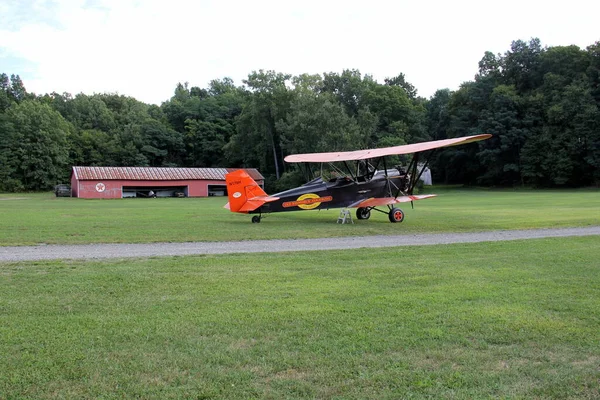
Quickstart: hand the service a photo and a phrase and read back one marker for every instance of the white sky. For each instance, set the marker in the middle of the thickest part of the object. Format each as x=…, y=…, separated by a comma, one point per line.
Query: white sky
x=143, y=48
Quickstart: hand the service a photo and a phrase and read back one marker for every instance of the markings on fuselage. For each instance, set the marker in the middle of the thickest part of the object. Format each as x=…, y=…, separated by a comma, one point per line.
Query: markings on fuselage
x=307, y=201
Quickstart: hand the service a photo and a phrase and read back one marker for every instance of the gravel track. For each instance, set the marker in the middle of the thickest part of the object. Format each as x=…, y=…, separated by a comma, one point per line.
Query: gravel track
x=102, y=251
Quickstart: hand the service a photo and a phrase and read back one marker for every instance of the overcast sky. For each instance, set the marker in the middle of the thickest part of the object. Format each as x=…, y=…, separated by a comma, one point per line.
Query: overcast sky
x=144, y=48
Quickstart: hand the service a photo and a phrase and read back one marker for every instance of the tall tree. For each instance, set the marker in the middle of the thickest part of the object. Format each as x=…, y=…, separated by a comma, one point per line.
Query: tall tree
x=12, y=90
x=349, y=88
x=503, y=119
x=5, y=99
x=593, y=71
x=565, y=149
x=400, y=80
x=438, y=117
x=317, y=123
x=521, y=64
x=34, y=147
x=400, y=118
x=257, y=133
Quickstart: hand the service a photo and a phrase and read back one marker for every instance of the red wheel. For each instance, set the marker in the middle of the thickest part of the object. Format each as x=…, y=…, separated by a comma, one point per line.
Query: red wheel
x=396, y=215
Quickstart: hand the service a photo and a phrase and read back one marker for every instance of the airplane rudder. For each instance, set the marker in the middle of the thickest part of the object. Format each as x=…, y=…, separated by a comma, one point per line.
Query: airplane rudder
x=235, y=189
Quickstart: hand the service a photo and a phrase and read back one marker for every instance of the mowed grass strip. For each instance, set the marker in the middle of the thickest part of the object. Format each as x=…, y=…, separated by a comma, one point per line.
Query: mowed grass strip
x=28, y=219
x=489, y=320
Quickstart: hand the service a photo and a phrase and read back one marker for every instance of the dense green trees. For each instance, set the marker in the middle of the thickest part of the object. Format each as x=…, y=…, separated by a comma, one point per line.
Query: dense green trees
x=258, y=137
x=541, y=104
x=33, y=147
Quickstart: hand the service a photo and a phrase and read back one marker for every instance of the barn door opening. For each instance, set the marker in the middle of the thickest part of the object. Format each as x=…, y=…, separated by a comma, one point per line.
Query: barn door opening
x=217, y=190
x=154, y=191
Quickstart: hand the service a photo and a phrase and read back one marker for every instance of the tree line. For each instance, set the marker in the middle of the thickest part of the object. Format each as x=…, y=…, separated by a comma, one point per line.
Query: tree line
x=540, y=103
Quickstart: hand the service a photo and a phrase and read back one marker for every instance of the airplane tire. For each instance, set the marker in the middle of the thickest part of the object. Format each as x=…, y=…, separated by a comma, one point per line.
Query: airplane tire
x=363, y=213
x=256, y=219
x=396, y=215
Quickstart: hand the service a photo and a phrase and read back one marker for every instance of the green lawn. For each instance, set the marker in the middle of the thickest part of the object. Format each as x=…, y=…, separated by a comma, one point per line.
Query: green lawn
x=27, y=219
x=510, y=320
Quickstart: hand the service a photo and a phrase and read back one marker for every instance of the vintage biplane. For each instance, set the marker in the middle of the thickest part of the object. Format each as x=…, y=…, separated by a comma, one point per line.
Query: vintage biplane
x=365, y=182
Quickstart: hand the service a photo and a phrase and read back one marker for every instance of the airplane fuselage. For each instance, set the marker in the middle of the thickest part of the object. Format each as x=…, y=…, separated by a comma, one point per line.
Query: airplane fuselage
x=318, y=194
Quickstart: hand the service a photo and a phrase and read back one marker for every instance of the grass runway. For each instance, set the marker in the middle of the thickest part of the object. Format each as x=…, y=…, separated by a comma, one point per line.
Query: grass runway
x=32, y=219
x=511, y=320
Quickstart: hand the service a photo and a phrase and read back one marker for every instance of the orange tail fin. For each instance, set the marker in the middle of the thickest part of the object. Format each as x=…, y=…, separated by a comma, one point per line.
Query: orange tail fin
x=244, y=193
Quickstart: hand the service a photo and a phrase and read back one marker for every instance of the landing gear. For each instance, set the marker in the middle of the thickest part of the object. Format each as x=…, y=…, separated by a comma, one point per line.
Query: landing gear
x=256, y=219
x=396, y=215
x=363, y=213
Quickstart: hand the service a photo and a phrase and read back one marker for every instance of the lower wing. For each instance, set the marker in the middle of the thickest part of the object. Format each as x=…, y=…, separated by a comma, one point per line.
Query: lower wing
x=385, y=201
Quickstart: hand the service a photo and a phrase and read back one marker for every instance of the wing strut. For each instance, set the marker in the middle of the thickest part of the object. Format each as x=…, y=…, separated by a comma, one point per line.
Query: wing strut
x=412, y=170
x=349, y=171
x=372, y=173
x=387, y=179
x=308, y=173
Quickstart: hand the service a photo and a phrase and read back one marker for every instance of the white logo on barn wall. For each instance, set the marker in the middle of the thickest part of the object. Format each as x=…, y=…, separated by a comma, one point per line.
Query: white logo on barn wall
x=100, y=187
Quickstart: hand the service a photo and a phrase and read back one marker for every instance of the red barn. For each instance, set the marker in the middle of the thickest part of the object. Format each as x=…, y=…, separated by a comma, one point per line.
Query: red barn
x=119, y=182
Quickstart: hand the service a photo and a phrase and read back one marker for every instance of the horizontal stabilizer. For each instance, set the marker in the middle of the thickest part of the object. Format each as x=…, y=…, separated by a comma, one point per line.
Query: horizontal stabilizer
x=266, y=199
x=385, y=201
x=255, y=202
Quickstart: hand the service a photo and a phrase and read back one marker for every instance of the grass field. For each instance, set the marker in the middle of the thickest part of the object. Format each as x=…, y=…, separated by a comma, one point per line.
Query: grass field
x=510, y=320
x=27, y=219
x=506, y=320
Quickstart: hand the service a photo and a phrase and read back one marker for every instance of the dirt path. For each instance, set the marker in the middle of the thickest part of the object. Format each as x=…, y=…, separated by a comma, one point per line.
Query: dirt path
x=100, y=251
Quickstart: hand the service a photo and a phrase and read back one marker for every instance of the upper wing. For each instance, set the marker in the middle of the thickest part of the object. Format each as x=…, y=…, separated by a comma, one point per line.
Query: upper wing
x=384, y=201
x=386, y=151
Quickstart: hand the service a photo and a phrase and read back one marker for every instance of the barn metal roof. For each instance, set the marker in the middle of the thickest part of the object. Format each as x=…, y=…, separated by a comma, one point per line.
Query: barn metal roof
x=157, y=173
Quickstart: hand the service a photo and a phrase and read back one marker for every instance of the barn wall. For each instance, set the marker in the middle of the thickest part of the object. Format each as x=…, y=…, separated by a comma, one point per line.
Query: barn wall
x=200, y=188
x=112, y=189
x=74, y=191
